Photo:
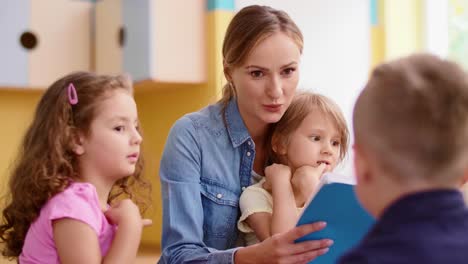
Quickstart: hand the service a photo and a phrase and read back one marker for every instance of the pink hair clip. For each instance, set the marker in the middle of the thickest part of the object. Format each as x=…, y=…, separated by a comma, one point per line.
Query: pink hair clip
x=72, y=95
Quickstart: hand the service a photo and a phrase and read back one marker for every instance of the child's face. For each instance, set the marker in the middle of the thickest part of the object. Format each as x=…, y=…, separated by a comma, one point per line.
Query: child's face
x=112, y=147
x=315, y=141
x=265, y=84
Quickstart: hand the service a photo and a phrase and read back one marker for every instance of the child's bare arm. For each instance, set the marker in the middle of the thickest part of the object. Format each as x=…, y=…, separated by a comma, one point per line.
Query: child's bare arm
x=305, y=180
x=126, y=216
x=260, y=224
x=84, y=245
x=284, y=215
x=76, y=242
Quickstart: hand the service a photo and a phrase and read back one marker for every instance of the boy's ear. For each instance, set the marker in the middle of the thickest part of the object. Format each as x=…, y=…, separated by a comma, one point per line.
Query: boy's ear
x=465, y=177
x=78, y=146
x=361, y=165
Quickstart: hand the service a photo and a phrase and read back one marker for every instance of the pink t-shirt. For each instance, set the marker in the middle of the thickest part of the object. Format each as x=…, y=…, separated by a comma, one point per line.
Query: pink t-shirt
x=80, y=202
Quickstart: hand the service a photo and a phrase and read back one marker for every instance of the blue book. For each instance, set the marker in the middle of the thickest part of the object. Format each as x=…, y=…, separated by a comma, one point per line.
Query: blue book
x=336, y=204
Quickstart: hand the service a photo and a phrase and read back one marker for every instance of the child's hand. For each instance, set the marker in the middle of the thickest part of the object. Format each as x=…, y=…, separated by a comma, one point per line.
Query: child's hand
x=276, y=174
x=306, y=179
x=126, y=215
x=126, y=212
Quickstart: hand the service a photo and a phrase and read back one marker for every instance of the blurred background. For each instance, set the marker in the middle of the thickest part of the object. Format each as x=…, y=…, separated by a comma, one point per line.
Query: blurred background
x=172, y=49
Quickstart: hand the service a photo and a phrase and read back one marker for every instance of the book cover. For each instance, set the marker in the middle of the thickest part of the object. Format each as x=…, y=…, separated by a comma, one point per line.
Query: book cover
x=347, y=222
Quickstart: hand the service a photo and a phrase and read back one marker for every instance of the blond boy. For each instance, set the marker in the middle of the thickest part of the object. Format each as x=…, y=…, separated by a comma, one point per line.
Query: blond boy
x=411, y=156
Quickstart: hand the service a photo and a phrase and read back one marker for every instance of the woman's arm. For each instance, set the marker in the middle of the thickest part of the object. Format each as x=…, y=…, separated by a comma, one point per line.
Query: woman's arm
x=182, y=234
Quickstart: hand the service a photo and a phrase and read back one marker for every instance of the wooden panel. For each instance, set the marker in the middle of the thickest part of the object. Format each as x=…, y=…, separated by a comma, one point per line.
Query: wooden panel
x=108, y=22
x=179, y=32
x=64, y=32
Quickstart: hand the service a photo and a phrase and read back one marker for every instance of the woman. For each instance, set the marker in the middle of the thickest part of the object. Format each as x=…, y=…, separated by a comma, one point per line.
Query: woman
x=212, y=155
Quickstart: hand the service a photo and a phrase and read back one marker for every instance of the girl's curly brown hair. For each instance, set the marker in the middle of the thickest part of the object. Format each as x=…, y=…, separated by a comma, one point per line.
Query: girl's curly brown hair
x=46, y=163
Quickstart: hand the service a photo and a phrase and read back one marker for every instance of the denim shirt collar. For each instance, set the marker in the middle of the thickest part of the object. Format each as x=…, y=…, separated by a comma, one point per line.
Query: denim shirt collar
x=237, y=131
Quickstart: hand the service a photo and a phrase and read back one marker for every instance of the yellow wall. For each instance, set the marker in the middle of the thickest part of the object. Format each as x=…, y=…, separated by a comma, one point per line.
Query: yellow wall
x=217, y=22
x=158, y=109
x=403, y=27
x=16, y=112
x=399, y=31
x=377, y=34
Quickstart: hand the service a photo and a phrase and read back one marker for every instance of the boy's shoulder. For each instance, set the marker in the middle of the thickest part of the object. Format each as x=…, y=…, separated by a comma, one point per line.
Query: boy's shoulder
x=412, y=228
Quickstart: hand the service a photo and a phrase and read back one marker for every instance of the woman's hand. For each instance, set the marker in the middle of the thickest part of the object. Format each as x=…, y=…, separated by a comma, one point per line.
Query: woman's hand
x=281, y=248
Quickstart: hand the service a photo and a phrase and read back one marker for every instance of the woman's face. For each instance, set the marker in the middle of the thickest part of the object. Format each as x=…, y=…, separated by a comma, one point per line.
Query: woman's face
x=265, y=84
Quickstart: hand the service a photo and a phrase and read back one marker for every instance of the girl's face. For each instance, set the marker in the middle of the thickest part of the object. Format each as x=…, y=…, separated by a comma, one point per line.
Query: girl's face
x=315, y=141
x=266, y=82
x=112, y=148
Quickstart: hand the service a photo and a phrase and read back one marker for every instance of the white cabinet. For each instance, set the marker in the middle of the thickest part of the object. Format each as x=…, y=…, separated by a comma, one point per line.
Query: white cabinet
x=43, y=40
x=153, y=40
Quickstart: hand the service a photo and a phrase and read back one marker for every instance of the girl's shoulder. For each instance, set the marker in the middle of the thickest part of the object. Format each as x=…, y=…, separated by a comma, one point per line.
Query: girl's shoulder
x=78, y=201
x=77, y=192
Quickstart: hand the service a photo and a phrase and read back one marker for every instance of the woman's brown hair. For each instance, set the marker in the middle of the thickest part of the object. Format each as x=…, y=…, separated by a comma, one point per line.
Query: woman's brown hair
x=46, y=163
x=249, y=27
x=303, y=104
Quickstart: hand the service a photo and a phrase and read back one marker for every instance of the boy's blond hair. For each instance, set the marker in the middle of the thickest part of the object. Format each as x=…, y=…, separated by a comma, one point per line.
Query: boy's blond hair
x=302, y=104
x=413, y=118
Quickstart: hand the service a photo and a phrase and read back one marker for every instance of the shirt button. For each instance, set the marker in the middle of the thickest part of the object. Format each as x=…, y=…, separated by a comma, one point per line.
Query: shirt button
x=249, y=143
x=243, y=188
x=248, y=154
x=219, y=196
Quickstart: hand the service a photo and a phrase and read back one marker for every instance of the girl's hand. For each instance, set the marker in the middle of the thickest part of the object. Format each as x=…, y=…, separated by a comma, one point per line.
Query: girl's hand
x=126, y=212
x=126, y=215
x=306, y=179
x=281, y=248
x=276, y=174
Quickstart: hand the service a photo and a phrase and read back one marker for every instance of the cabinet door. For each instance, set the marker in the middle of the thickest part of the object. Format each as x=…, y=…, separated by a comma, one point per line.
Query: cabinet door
x=137, y=17
x=164, y=41
x=14, y=21
x=179, y=37
x=64, y=32
x=110, y=37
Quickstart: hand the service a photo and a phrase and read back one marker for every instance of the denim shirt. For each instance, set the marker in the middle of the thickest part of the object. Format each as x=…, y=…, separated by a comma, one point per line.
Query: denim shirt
x=204, y=167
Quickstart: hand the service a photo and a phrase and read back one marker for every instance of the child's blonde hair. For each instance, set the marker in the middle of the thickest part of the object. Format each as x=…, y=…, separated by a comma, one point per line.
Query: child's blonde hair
x=302, y=104
x=46, y=163
x=413, y=117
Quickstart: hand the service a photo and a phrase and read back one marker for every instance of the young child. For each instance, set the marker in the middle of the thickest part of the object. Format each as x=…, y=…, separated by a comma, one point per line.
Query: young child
x=411, y=156
x=81, y=152
x=311, y=138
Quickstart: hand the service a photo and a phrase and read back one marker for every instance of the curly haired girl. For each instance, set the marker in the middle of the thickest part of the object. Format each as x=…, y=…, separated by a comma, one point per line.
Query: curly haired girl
x=78, y=176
